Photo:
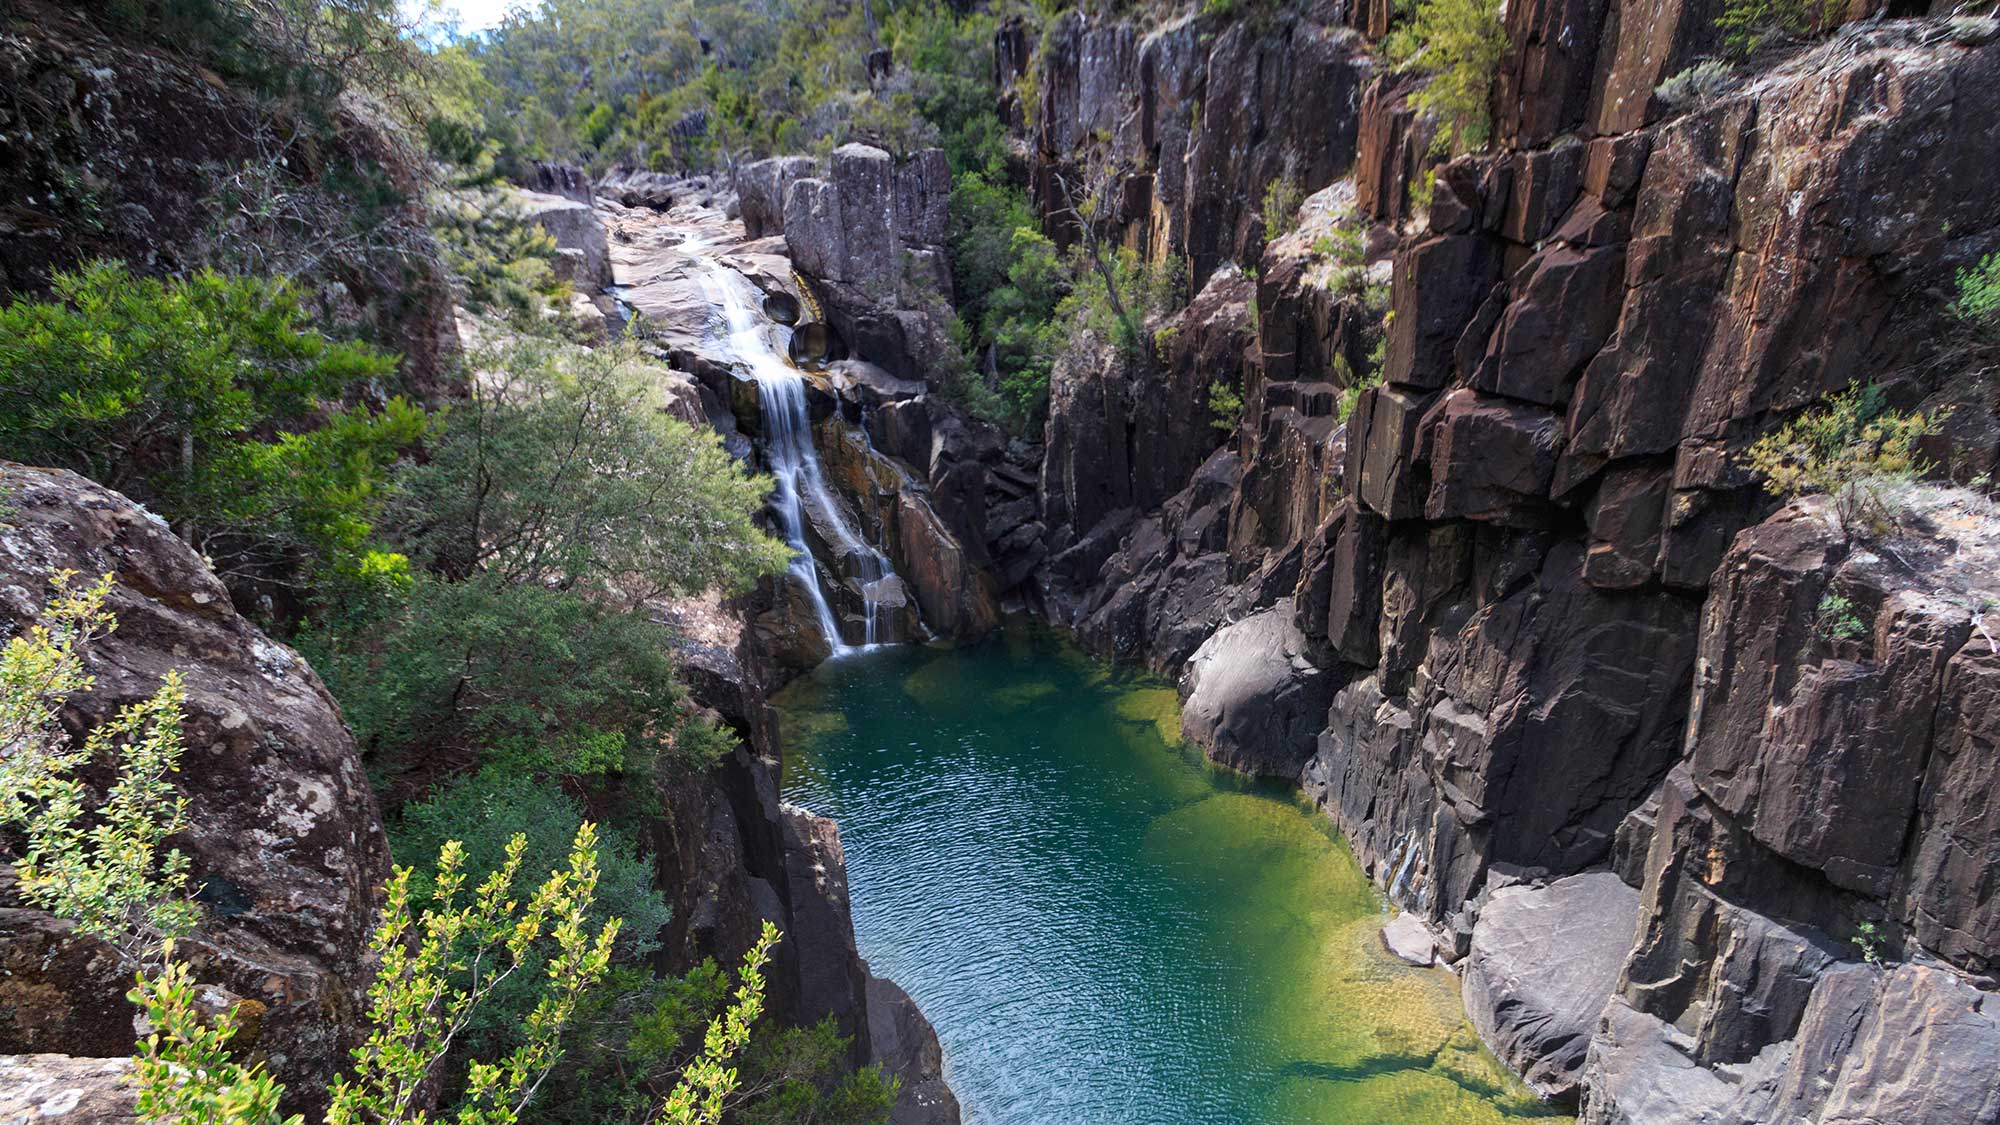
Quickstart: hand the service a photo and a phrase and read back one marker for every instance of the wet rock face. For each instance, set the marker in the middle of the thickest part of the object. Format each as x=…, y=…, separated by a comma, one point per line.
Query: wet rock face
x=287, y=846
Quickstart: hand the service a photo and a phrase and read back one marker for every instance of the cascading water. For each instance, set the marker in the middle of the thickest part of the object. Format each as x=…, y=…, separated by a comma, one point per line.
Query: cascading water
x=751, y=340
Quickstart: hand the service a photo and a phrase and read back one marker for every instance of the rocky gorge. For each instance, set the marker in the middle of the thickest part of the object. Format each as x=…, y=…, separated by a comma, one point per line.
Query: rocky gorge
x=1520, y=623
x=1513, y=614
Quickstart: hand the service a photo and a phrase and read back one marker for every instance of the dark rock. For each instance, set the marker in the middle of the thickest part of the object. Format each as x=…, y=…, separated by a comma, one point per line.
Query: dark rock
x=905, y=1045
x=281, y=817
x=1251, y=699
x=761, y=186
x=1544, y=961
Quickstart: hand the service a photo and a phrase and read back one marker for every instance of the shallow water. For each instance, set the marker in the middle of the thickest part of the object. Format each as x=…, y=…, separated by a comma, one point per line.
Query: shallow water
x=1103, y=927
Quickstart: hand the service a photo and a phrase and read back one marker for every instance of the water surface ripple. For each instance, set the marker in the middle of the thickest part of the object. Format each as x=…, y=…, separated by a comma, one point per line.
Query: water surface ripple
x=1103, y=927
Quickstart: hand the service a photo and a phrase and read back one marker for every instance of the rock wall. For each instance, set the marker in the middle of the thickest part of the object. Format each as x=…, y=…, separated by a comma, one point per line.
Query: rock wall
x=1557, y=631
x=117, y=149
x=287, y=849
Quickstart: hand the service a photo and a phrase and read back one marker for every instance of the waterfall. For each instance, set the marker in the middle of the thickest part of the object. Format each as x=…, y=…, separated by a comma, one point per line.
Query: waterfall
x=751, y=340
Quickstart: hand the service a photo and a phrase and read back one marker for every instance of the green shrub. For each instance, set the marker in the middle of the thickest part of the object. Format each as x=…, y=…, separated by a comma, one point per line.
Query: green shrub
x=499, y=261
x=485, y=813
x=1835, y=619
x=1282, y=198
x=1225, y=406
x=209, y=400
x=1978, y=296
x=544, y=681
x=562, y=470
x=1749, y=25
x=1853, y=449
x=1458, y=43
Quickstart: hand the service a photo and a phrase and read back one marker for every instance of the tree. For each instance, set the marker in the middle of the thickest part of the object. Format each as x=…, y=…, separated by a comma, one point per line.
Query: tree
x=210, y=400
x=565, y=471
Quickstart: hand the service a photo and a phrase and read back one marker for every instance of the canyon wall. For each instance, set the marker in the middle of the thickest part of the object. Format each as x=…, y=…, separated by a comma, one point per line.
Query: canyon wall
x=1557, y=630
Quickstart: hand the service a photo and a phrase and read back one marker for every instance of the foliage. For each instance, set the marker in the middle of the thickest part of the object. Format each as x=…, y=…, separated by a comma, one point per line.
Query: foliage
x=546, y=681
x=209, y=399
x=1458, y=43
x=1868, y=939
x=1851, y=449
x=1835, y=619
x=1750, y=25
x=1282, y=197
x=1978, y=296
x=1022, y=325
x=563, y=471
x=499, y=260
x=184, y=1069
x=1225, y=406
x=1697, y=86
x=708, y=1080
x=438, y=966
x=107, y=870
x=487, y=810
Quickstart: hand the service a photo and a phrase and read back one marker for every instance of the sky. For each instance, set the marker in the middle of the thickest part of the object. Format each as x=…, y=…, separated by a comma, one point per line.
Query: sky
x=476, y=15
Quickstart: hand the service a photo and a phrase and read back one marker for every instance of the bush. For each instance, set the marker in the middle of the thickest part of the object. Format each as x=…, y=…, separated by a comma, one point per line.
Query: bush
x=1978, y=299
x=485, y=813
x=544, y=681
x=499, y=261
x=1852, y=449
x=1282, y=198
x=1458, y=43
x=1225, y=406
x=209, y=400
x=1750, y=25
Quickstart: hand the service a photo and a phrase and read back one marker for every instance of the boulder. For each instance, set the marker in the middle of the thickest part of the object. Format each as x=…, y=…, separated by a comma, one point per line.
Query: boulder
x=62, y=1090
x=761, y=186
x=1544, y=960
x=1252, y=700
x=905, y=1045
x=1410, y=940
x=287, y=848
x=577, y=230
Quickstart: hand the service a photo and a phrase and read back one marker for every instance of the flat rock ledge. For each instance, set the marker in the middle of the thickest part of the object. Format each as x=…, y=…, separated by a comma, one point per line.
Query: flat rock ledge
x=65, y=1090
x=1544, y=961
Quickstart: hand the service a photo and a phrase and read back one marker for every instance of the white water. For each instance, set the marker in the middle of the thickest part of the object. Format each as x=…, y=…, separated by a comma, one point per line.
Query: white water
x=751, y=340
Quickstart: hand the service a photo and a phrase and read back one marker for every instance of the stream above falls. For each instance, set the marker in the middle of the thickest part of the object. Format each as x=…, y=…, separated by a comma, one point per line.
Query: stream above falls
x=1103, y=927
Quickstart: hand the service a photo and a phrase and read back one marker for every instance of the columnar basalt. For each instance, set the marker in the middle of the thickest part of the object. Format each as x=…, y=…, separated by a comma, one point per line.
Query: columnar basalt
x=1545, y=598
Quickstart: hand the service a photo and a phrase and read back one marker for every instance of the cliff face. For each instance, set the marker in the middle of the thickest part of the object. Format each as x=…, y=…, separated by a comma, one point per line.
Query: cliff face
x=111, y=148
x=287, y=849
x=1558, y=632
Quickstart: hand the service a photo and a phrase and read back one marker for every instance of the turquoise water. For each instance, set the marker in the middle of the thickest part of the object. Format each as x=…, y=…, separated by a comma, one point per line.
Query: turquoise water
x=1103, y=927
